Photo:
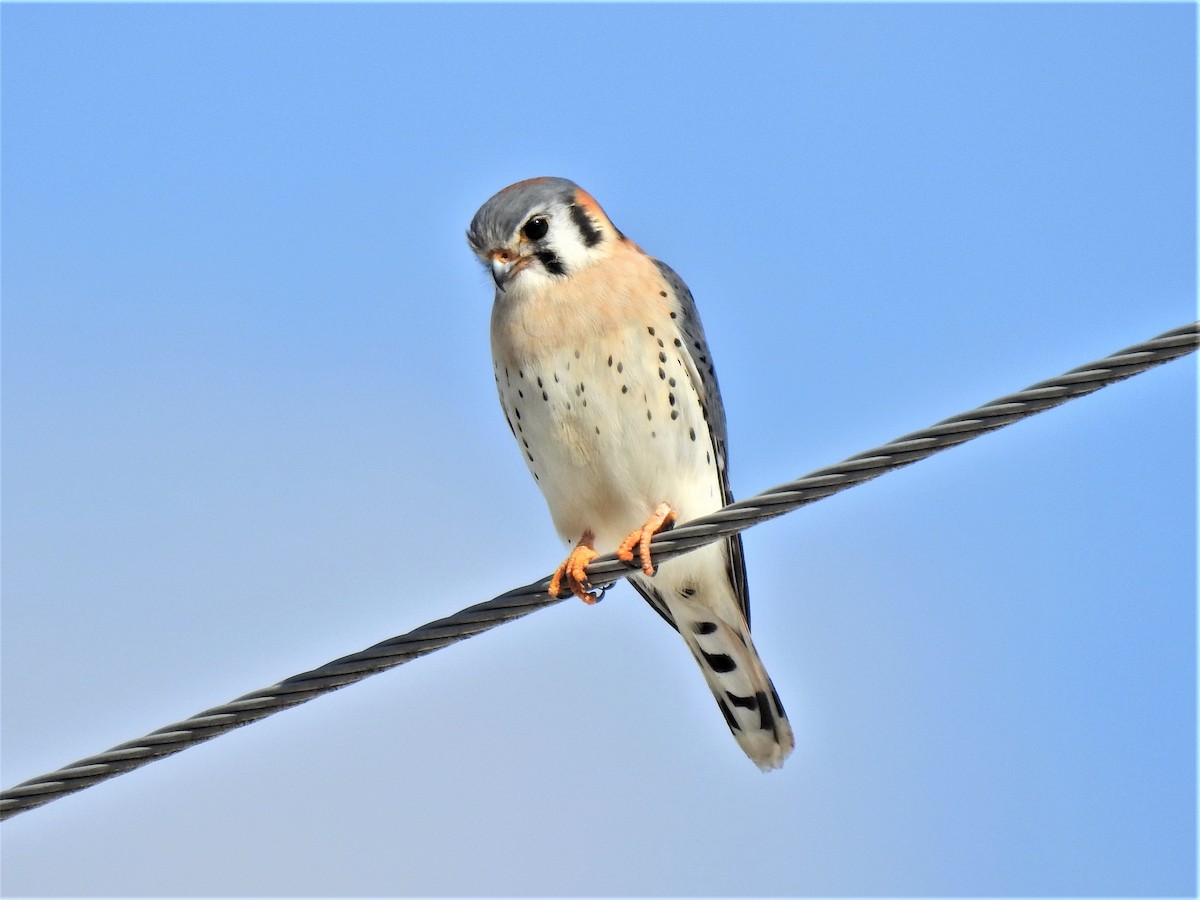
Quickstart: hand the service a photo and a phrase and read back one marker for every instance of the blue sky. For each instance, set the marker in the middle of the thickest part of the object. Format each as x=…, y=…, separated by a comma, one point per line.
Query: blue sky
x=250, y=425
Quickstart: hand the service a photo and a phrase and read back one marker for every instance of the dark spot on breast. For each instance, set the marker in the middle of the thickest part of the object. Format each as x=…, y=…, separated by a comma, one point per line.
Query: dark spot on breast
x=719, y=662
x=545, y=396
x=610, y=362
x=521, y=394
x=620, y=367
x=692, y=433
x=624, y=389
x=663, y=294
x=671, y=399
x=678, y=342
x=517, y=412
x=577, y=354
x=662, y=357
x=699, y=627
x=671, y=382
x=649, y=416
x=662, y=374
x=539, y=381
x=674, y=414
x=673, y=314
x=651, y=330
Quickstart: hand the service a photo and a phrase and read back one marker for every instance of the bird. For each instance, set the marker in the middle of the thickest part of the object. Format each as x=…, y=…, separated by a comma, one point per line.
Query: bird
x=607, y=384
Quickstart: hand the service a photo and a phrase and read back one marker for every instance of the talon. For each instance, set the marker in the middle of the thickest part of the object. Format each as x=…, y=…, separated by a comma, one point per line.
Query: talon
x=662, y=518
x=574, y=569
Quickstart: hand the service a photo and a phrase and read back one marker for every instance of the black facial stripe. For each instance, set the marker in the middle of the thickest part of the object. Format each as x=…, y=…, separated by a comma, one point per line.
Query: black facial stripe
x=551, y=262
x=587, y=228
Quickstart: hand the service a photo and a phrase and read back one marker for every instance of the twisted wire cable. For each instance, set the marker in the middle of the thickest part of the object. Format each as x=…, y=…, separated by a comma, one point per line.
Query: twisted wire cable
x=604, y=570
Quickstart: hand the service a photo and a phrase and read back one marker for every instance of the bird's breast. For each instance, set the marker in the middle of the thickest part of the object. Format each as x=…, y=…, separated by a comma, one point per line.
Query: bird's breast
x=596, y=390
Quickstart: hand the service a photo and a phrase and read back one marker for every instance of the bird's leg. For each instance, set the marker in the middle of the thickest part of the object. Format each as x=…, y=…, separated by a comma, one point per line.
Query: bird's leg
x=574, y=569
x=662, y=517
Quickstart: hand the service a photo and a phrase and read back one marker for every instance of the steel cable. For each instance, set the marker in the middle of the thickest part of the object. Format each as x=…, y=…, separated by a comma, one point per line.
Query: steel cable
x=604, y=570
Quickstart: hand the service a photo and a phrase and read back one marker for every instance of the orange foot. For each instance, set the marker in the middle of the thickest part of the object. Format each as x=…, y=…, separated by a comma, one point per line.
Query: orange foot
x=640, y=537
x=574, y=568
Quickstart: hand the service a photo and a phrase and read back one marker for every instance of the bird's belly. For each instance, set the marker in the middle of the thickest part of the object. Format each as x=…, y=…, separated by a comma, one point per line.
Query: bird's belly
x=609, y=437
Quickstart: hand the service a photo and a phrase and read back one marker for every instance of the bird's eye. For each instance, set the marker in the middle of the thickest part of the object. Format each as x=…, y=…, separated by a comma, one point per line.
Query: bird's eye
x=535, y=229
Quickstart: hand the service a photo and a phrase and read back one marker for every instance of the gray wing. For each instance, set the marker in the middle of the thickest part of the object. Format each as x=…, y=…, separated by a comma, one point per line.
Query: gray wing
x=704, y=379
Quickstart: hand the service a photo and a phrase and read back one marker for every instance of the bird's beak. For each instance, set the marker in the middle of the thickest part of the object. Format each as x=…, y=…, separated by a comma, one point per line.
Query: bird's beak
x=505, y=265
x=501, y=271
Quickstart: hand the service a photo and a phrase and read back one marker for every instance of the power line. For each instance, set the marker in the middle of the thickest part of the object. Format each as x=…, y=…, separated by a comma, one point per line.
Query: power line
x=523, y=600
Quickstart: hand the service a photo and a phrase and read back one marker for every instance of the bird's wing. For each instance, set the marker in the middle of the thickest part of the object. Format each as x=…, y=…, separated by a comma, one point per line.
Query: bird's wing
x=704, y=378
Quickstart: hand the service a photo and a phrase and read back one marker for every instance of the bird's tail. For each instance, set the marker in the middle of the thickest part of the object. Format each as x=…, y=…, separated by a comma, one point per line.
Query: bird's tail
x=741, y=686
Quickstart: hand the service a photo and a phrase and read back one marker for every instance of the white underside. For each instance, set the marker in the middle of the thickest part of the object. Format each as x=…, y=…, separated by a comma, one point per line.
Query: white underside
x=601, y=464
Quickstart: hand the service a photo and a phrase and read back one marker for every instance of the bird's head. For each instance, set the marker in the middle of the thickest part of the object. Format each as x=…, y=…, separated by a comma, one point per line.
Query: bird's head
x=540, y=230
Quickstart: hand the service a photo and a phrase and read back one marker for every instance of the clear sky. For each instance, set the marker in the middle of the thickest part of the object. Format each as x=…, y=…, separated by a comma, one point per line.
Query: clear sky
x=250, y=425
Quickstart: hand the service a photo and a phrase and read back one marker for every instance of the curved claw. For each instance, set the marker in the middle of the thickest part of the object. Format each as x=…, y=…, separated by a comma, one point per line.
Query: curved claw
x=662, y=517
x=574, y=569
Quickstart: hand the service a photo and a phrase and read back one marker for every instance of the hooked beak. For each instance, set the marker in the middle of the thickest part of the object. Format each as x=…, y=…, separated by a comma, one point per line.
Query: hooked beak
x=501, y=269
x=505, y=266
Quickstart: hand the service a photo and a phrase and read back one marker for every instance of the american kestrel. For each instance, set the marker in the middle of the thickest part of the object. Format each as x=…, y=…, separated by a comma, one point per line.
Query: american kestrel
x=608, y=386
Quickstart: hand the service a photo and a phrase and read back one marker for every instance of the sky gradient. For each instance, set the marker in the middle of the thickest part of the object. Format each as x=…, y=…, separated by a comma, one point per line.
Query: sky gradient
x=250, y=426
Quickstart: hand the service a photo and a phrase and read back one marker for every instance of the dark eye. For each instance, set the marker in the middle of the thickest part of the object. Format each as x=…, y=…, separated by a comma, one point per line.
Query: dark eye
x=535, y=229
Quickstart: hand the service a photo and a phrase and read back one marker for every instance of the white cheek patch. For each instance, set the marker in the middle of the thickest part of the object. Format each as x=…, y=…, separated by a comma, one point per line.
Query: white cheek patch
x=574, y=249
